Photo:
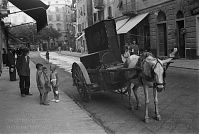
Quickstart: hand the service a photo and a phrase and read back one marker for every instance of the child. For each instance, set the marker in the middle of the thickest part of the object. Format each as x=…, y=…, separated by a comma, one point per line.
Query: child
x=39, y=81
x=46, y=85
x=54, y=82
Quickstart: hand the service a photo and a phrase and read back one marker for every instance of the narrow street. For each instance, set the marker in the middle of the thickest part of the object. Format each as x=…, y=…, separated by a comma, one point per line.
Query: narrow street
x=178, y=104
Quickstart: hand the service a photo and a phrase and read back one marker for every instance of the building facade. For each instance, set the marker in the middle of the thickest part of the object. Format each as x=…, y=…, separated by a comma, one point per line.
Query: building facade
x=59, y=16
x=84, y=18
x=171, y=23
x=3, y=30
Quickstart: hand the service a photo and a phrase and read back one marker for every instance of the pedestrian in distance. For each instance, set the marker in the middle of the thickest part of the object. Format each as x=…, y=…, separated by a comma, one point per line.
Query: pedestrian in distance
x=23, y=70
x=39, y=81
x=46, y=86
x=47, y=56
x=54, y=79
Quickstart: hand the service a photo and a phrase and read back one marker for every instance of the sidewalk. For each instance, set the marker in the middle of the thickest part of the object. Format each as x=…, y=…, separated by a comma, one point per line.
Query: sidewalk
x=178, y=63
x=26, y=115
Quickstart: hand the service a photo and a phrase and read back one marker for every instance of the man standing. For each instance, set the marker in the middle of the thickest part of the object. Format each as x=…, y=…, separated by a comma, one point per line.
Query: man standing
x=11, y=64
x=23, y=70
x=134, y=48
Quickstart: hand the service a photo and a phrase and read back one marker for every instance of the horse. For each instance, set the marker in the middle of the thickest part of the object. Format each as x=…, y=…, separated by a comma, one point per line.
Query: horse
x=150, y=72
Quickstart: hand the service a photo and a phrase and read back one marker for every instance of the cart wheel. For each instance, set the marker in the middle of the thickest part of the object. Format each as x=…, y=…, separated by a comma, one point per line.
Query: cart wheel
x=81, y=80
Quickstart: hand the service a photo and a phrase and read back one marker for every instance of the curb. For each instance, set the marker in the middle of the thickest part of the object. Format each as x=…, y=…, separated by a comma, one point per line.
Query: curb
x=184, y=68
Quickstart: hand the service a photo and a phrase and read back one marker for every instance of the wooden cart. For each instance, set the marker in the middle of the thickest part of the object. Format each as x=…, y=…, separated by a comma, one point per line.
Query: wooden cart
x=102, y=68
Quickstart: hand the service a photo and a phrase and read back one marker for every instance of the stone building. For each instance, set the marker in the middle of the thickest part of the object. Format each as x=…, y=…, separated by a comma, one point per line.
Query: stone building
x=84, y=18
x=59, y=16
x=168, y=24
x=3, y=30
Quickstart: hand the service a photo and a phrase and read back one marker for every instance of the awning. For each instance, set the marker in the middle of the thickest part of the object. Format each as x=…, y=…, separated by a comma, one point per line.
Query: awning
x=131, y=23
x=35, y=9
x=121, y=23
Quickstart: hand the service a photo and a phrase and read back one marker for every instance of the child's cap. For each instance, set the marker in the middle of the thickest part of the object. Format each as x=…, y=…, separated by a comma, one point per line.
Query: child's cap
x=43, y=68
x=52, y=67
x=38, y=65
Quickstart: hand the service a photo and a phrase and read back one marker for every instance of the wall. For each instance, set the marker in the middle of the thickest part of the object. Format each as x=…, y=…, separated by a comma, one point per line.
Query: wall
x=143, y=4
x=170, y=8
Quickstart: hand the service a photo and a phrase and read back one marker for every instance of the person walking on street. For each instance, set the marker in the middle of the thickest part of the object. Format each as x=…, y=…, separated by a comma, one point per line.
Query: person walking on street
x=47, y=56
x=54, y=79
x=134, y=49
x=23, y=70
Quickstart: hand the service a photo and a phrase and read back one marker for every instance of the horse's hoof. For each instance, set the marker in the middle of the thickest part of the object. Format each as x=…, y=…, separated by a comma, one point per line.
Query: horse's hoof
x=146, y=120
x=158, y=118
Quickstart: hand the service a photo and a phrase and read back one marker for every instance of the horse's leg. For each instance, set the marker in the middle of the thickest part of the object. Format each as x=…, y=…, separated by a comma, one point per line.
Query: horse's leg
x=129, y=95
x=146, y=118
x=155, y=95
x=135, y=88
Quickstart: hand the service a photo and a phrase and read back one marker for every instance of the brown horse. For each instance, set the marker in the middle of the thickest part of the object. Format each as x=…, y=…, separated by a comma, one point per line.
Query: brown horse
x=151, y=72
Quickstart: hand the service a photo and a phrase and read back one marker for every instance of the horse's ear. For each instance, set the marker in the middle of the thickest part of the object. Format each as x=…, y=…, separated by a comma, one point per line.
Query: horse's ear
x=167, y=65
x=171, y=55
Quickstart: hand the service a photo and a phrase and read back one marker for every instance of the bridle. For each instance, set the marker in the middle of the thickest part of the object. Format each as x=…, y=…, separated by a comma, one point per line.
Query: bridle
x=152, y=78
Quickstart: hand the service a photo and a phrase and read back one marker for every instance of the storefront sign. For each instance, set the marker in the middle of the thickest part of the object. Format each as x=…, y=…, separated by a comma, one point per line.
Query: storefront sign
x=195, y=11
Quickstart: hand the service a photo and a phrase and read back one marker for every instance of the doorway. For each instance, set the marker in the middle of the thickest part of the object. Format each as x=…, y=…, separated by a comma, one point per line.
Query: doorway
x=181, y=38
x=162, y=39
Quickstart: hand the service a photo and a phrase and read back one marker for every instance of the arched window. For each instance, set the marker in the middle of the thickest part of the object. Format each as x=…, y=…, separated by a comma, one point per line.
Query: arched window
x=161, y=16
x=179, y=15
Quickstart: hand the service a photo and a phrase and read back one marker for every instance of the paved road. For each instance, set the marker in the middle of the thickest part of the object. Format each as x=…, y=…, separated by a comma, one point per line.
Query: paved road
x=179, y=106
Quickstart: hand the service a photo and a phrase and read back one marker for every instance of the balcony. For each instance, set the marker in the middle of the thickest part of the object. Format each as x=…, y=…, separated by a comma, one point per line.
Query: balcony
x=129, y=8
x=99, y=4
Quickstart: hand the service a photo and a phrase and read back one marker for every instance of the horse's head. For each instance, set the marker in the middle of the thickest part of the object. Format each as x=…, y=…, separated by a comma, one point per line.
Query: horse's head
x=155, y=69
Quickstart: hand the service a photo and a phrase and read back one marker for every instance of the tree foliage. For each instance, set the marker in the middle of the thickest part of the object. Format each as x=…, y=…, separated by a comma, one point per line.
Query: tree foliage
x=28, y=33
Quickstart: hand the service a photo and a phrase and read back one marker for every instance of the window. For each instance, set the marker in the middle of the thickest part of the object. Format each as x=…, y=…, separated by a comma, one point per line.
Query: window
x=58, y=17
x=161, y=16
x=179, y=15
x=120, y=5
x=81, y=11
x=95, y=17
x=82, y=26
x=84, y=12
x=79, y=28
x=109, y=12
x=50, y=17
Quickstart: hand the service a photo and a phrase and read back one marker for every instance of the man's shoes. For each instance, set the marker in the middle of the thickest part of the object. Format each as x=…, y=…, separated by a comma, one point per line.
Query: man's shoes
x=23, y=95
x=29, y=94
x=46, y=104
x=53, y=100
x=57, y=101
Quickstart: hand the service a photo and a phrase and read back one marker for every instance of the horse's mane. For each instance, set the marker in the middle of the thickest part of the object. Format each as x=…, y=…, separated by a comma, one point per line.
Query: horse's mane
x=142, y=57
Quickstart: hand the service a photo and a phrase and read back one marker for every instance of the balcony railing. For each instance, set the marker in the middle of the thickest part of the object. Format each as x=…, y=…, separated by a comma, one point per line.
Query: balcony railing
x=99, y=4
